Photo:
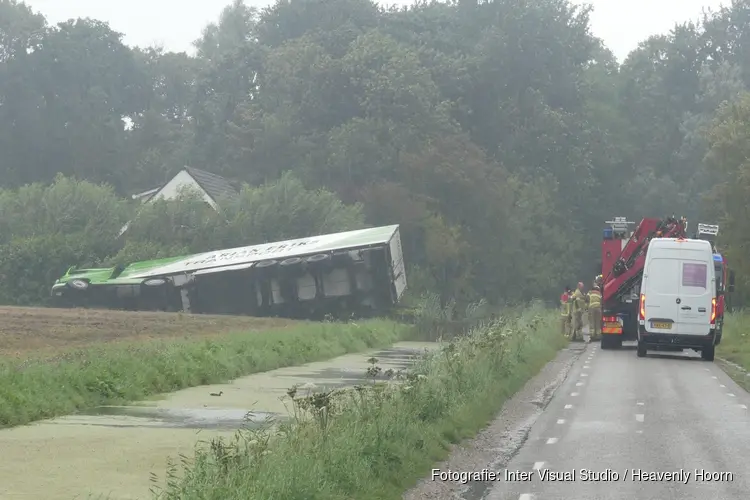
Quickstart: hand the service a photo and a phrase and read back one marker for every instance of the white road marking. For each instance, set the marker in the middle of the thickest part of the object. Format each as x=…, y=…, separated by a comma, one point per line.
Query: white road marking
x=560, y=420
x=574, y=394
x=551, y=440
x=584, y=374
x=568, y=407
x=639, y=417
x=538, y=465
x=722, y=386
x=526, y=496
x=639, y=432
x=730, y=395
x=744, y=407
x=579, y=384
x=707, y=369
x=640, y=403
x=585, y=367
x=715, y=377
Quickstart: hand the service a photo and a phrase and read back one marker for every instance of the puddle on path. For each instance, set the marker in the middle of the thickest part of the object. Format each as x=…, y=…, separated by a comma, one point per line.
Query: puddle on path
x=113, y=450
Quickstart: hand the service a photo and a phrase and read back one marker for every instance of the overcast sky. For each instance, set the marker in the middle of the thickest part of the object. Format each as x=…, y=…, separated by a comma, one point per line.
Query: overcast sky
x=176, y=23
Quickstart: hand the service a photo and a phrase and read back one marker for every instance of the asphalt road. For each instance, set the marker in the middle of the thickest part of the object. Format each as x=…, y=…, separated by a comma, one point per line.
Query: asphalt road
x=617, y=414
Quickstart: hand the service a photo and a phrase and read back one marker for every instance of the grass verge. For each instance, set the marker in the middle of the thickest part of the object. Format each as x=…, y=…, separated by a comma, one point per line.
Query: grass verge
x=116, y=373
x=735, y=347
x=377, y=440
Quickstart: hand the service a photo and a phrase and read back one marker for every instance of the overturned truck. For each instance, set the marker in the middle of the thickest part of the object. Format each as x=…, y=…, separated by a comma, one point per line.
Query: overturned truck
x=354, y=273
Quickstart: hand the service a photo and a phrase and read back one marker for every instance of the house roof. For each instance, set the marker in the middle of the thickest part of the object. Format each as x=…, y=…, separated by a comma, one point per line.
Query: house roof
x=214, y=185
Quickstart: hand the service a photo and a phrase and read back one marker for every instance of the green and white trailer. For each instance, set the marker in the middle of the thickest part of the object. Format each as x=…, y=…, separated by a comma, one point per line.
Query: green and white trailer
x=358, y=272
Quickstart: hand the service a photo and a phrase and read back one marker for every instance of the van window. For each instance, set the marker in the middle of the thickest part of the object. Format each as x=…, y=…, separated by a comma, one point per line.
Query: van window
x=663, y=275
x=694, y=274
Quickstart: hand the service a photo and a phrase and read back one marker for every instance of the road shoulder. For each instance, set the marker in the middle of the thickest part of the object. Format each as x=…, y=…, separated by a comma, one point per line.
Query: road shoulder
x=494, y=446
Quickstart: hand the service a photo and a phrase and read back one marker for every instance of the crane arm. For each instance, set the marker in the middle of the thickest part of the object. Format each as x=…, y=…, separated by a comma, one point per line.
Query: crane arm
x=628, y=269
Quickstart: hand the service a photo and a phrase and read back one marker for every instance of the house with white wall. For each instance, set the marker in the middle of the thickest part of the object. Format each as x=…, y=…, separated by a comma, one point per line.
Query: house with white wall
x=211, y=186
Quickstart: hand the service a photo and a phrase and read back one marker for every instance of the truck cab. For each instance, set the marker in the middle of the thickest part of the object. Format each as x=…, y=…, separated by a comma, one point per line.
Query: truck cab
x=618, y=316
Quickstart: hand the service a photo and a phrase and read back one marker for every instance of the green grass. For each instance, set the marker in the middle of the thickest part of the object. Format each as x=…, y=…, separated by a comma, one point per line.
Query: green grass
x=117, y=373
x=377, y=440
x=735, y=346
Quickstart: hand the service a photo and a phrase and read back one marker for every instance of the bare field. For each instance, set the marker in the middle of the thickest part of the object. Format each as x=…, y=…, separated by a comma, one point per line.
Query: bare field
x=40, y=331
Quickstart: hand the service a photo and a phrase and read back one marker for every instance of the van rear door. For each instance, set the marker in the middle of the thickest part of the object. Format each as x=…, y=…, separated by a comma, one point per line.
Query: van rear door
x=662, y=292
x=696, y=294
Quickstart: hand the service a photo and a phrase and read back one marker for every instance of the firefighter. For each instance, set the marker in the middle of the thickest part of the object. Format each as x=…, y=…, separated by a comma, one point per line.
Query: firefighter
x=579, y=306
x=565, y=304
x=595, y=313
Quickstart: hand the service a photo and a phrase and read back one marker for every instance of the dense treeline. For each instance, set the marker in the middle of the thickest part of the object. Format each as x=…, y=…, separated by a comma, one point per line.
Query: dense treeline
x=499, y=134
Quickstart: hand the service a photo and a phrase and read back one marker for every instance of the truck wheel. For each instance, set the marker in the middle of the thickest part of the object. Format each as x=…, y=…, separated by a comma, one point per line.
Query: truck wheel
x=708, y=353
x=641, y=350
x=318, y=261
x=293, y=266
x=605, y=342
x=617, y=342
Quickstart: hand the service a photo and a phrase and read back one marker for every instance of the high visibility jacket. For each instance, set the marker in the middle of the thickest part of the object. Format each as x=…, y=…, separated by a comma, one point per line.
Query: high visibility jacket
x=595, y=299
x=579, y=302
x=564, y=305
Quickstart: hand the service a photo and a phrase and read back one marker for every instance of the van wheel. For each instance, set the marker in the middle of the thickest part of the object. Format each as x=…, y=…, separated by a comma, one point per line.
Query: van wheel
x=641, y=350
x=606, y=342
x=708, y=353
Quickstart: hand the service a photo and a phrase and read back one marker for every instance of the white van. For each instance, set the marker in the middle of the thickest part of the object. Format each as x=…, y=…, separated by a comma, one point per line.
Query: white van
x=678, y=297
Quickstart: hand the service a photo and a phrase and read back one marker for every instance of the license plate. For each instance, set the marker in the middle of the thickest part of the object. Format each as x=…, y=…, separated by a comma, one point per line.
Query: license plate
x=611, y=324
x=661, y=325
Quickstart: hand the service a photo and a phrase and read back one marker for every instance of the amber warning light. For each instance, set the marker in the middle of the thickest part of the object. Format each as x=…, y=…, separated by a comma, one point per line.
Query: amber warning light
x=643, y=306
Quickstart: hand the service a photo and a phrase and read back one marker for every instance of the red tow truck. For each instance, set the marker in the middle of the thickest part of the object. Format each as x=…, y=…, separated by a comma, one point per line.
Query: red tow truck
x=724, y=276
x=623, y=257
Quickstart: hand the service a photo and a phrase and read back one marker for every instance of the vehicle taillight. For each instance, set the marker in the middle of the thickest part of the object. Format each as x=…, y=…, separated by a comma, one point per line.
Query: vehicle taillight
x=713, y=310
x=609, y=319
x=643, y=306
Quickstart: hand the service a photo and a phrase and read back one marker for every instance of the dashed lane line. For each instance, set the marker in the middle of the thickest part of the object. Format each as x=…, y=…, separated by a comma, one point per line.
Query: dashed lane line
x=568, y=407
x=560, y=421
x=639, y=417
x=551, y=440
x=538, y=465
